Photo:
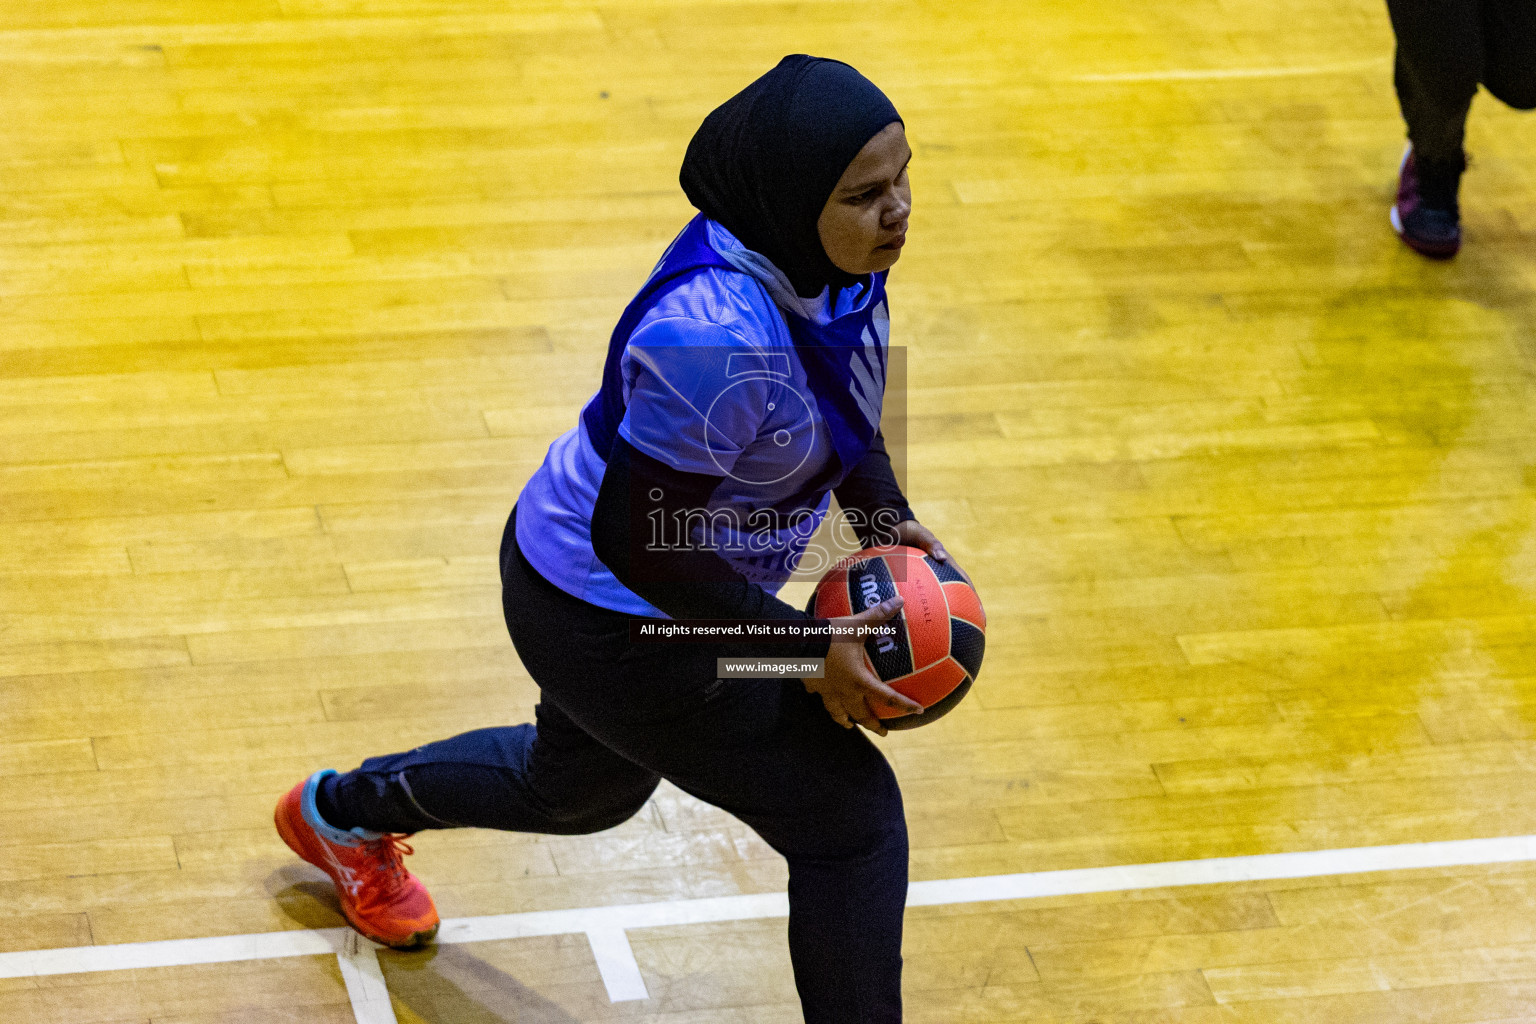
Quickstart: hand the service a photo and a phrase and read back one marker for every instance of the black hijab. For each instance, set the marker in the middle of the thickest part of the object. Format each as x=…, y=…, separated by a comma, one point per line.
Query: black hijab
x=764, y=162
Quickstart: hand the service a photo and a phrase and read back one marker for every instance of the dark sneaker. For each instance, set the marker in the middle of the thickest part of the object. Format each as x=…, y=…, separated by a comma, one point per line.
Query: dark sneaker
x=1426, y=214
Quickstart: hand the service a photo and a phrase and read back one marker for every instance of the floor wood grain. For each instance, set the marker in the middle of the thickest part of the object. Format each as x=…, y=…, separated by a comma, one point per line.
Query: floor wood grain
x=294, y=293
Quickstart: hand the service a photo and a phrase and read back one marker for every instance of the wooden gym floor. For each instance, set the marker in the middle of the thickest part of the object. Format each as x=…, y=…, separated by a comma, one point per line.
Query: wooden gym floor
x=294, y=293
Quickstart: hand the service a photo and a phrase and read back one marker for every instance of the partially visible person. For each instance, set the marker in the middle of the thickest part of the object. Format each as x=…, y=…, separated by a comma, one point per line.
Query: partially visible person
x=1445, y=49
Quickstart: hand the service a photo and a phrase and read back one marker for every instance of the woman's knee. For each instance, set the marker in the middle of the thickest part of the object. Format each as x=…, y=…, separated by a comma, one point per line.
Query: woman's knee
x=867, y=820
x=580, y=819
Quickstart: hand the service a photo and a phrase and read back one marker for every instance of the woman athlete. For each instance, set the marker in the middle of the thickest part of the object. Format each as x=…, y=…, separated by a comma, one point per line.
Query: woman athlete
x=742, y=386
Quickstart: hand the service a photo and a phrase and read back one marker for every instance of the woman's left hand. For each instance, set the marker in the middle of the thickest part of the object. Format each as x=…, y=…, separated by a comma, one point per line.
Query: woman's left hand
x=914, y=534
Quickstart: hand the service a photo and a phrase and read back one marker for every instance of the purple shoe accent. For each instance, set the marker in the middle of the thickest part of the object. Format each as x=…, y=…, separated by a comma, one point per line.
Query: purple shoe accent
x=1430, y=231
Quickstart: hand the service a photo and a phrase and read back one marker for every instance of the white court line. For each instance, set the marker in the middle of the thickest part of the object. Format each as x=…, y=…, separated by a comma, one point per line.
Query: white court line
x=616, y=963
x=605, y=926
x=172, y=953
x=589, y=919
x=365, y=982
x=1208, y=74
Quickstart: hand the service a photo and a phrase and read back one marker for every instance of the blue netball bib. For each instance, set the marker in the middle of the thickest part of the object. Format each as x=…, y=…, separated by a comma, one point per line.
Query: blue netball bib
x=844, y=359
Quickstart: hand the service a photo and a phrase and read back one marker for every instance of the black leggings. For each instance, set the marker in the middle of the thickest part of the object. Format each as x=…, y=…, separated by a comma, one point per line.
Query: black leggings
x=1445, y=48
x=613, y=719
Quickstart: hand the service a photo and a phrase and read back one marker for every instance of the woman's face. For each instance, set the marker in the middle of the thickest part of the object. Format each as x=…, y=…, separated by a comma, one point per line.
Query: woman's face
x=864, y=224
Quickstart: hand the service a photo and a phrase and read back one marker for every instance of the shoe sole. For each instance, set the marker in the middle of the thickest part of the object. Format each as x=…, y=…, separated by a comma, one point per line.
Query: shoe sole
x=415, y=940
x=1434, y=252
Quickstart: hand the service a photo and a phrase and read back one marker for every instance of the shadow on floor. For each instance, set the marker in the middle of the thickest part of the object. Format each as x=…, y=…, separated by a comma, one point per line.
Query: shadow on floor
x=437, y=984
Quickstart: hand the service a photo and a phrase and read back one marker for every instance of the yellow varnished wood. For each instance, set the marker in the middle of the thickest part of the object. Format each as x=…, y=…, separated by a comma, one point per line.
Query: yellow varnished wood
x=293, y=295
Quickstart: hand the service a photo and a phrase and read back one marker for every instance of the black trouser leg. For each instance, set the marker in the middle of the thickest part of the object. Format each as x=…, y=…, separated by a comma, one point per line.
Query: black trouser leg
x=552, y=778
x=1439, y=63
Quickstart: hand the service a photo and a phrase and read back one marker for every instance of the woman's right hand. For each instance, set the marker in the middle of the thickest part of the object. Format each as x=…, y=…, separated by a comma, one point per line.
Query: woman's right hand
x=849, y=689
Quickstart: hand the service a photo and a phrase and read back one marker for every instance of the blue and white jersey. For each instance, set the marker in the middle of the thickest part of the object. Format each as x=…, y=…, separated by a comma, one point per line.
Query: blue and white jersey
x=713, y=384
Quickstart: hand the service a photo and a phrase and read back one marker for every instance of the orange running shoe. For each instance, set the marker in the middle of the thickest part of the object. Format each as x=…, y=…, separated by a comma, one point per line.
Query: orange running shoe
x=380, y=898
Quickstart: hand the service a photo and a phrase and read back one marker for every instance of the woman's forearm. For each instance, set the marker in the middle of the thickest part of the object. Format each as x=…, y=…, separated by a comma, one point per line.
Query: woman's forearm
x=871, y=497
